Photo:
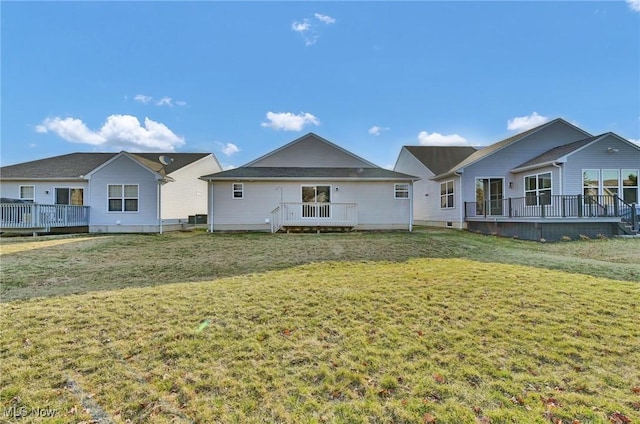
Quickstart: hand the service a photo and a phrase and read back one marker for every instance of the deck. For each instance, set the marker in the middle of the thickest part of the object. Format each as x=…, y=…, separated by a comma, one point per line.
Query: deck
x=35, y=217
x=314, y=217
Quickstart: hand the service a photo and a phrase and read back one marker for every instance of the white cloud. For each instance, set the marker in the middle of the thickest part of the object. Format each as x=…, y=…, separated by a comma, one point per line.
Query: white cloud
x=227, y=167
x=141, y=98
x=308, y=29
x=325, y=18
x=303, y=26
x=523, y=123
x=287, y=121
x=119, y=132
x=181, y=103
x=165, y=101
x=376, y=130
x=228, y=149
x=437, y=139
x=634, y=5
x=634, y=140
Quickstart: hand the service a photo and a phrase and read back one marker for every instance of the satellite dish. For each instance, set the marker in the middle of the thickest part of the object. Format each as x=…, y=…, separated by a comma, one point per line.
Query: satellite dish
x=165, y=160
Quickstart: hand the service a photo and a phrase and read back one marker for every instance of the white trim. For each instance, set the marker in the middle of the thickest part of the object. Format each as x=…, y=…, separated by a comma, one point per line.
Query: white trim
x=537, y=189
x=32, y=199
x=395, y=191
x=453, y=194
x=55, y=194
x=128, y=156
x=123, y=198
x=475, y=184
x=234, y=191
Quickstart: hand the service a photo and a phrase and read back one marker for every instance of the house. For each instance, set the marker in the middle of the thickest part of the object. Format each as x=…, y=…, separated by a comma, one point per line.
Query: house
x=106, y=192
x=427, y=162
x=310, y=184
x=550, y=182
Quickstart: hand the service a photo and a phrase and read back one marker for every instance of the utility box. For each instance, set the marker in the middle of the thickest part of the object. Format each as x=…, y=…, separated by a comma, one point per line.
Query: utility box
x=198, y=219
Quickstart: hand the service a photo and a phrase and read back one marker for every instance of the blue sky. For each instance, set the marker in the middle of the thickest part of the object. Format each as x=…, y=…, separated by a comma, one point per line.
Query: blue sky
x=240, y=79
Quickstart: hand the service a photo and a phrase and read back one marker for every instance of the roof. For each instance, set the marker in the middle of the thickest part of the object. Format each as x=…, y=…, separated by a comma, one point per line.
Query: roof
x=77, y=165
x=298, y=173
x=304, y=138
x=439, y=159
x=556, y=153
x=489, y=150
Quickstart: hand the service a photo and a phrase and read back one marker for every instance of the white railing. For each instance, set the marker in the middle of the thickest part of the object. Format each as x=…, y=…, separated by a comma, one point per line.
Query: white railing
x=34, y=215
x=314, y=215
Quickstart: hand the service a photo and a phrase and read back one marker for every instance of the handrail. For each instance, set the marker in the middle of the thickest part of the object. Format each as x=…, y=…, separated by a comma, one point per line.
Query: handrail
x=35, y=215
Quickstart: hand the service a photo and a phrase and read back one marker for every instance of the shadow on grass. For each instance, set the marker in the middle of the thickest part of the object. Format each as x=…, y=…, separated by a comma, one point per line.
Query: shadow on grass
x=139, y=260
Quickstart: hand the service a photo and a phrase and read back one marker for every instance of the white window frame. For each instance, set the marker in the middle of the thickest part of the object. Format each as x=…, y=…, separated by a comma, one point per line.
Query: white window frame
x=629, y=187
x=235, y=190
x=538, y=191
x=597, y=186
x=55, y=194
x=124, y=198
x=397, y=189
x=31, y=199
x=448, y=194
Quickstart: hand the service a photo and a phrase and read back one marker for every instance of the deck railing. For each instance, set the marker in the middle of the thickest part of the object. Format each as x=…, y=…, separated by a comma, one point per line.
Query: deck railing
x=556, y=206
x=38, y=216
x=314, y=215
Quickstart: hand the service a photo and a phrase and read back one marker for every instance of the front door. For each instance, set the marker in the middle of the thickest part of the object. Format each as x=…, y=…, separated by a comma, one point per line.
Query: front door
x=489, y=196
x=315, y=201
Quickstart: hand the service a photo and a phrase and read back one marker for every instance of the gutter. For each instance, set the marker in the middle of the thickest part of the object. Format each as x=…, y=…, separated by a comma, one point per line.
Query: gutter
x=559, y=166
x=462, y=211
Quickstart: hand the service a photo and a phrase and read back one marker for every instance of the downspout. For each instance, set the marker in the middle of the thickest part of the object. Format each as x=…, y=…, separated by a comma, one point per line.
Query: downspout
x=461, y=203
x=559, y=166
x=210, y=206
x=160, y=205
x=411, y=206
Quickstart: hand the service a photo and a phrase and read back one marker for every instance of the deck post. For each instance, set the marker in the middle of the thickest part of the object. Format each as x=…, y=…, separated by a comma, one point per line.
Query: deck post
x=510, y=210
x=580, y=206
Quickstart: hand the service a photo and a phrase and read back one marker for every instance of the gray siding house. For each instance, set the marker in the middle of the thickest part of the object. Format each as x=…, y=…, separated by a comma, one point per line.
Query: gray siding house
x=550, y=182
x=105, y=192
x=309, y=184
x=434, y=202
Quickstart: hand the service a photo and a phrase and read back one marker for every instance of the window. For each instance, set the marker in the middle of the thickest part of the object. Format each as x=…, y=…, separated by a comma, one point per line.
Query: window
x=70, y=196
x=446, y=195
x=610, y=182
x=315, y=201
x=28, y=193
x=590, y=182
x=401, y=191
x=123, y=198
x=630, y=185
x=537, y=189
x=237, y=190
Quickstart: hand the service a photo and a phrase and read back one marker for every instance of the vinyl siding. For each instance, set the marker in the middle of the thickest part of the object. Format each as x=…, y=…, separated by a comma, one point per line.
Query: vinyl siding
x=596, y=156
x=377, y=208
x=499, y=163
x=11, y=189
x=311, y=152
x=123, y=171
x=187, y=194
x=426, y=205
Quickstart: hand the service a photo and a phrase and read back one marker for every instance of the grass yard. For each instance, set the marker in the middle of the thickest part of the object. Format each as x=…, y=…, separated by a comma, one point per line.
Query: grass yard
x=436, y=326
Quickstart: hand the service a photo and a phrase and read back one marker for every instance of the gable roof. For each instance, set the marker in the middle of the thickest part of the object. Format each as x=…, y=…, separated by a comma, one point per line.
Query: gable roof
x=302, y=173
x=306, y=138
x=493, y=148
x=439, y=159
x=560, y=153
x=77, y=165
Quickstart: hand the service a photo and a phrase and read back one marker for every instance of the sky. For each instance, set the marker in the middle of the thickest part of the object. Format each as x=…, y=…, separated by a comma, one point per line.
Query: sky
x=239, y=79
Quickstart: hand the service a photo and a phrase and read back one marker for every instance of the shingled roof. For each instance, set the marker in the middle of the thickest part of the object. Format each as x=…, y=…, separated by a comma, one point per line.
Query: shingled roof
x=489, y=150
x=77, y=165
x=297, y=173
x=555, y=154
x=439, y=159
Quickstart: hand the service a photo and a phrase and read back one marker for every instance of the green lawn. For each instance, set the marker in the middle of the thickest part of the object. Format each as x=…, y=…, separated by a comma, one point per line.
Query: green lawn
x=435, y=326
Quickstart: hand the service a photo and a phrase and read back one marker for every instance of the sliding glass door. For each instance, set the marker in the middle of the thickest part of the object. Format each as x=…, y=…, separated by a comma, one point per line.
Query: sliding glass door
x=489, y=196
x=315, y=201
